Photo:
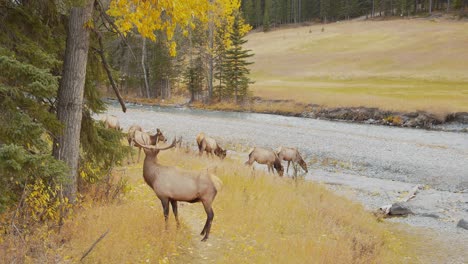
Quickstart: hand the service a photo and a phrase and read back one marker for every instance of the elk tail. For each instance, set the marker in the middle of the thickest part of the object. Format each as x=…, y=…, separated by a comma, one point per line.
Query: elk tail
x=250, y=156
x=251, y=150
x=218, y=184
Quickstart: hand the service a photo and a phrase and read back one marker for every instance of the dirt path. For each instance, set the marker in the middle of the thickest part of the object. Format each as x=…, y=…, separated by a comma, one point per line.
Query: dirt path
x=210, y=251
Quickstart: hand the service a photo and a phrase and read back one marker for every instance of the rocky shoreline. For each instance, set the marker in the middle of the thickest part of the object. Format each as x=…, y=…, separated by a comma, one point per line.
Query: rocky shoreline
x=457, y=122
x=367, y=115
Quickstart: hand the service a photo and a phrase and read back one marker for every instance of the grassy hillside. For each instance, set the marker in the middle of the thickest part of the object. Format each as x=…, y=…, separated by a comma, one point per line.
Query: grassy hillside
x=415, y=64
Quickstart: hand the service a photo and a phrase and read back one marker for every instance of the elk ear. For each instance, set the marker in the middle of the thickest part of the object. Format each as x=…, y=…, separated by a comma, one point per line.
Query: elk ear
x=157, y=130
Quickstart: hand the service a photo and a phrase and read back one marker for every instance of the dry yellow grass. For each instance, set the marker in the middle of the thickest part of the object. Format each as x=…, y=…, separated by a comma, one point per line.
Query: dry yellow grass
x=155, y=101
x=136, y=227
x=259, y=218
x=401, y=65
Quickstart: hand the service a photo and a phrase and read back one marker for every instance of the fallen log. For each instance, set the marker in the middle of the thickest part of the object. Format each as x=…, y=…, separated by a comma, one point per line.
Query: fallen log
x=400, y=208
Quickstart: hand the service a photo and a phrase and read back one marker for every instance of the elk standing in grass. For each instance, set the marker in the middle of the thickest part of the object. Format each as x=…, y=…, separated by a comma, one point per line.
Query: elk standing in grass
x=210, y=146
x=200, y=138
x=143, y=138
x=291, y=155
x=266, y=156
x=111, y=121
x=131, y=134
x=131, y=138
x=172, y=185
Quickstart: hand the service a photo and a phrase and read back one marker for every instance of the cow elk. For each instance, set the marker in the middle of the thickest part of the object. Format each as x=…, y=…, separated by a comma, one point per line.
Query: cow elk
x=266, y=156
x=111, y=121
x=210, y=146
x=172, y=185
x=131, y=134
x=291, y=155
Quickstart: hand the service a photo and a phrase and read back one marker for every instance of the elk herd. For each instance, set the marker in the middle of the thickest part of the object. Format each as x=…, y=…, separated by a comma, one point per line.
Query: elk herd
x=172, y=185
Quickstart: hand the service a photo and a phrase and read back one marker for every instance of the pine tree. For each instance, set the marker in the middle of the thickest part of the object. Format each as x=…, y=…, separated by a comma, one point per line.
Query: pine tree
x=31, y=64
x=219, y=69
x=195, y=78
x=248, y=11
x=237, y=80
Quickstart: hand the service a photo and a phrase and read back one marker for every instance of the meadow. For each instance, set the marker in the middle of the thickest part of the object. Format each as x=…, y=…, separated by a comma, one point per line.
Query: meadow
x=399, y=65
x=259, y=218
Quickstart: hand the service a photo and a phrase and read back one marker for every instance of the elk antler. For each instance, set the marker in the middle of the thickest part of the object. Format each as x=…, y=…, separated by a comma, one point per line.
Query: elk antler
x=155, y=147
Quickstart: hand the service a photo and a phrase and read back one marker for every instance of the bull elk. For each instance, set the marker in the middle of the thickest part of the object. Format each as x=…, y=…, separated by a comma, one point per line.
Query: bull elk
x=210, y=146
x=172, y=185
x=266, y=156
x=291, y=155
x=144, y=138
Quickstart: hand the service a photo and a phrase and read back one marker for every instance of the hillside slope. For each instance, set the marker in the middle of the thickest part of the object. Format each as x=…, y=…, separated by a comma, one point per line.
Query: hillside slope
x=411, y=64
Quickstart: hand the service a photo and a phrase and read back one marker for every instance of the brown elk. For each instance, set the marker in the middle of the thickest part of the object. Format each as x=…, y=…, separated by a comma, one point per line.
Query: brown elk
x=172, y=185
x=200, y=138
x=210, y=146
x=291, y=155
x=266, y=156
x=111, y=121
x=143, y=138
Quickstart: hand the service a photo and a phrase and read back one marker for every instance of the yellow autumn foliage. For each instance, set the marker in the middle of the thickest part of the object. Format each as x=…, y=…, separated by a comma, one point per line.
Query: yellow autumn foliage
x=157, y=15
x=166, y=15
x=44, y=202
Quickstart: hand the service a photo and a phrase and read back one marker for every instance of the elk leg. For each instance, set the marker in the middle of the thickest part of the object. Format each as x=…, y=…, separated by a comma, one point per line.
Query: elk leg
x=131, y=155
x=165, y=205
x=174, y=210
x=209, y=219
x=287, y=170
x=130, y=160
x=139, y=152
x=203, y=148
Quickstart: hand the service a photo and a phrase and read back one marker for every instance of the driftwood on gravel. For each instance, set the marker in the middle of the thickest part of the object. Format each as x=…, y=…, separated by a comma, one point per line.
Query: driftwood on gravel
x=401, y=208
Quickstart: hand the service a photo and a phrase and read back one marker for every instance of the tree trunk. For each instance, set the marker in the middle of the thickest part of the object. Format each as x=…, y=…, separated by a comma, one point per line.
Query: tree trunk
x=70, y=94
x=143, y=57
x=168, y=88
x=210, y=55
x=373, y=8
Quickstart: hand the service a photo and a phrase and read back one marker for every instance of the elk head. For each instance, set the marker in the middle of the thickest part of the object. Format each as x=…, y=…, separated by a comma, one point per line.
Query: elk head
x=151, y=150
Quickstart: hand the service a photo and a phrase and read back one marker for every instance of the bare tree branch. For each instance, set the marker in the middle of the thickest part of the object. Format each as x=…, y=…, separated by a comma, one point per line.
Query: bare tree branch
x=114, y=26
x=93, y=245
x=100, y=51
